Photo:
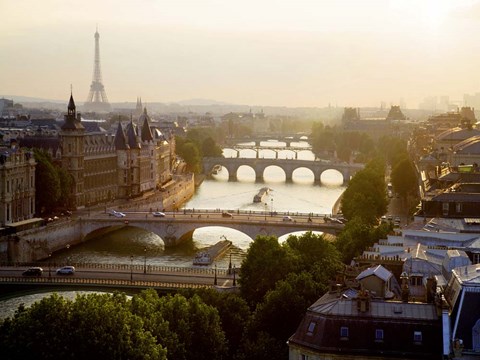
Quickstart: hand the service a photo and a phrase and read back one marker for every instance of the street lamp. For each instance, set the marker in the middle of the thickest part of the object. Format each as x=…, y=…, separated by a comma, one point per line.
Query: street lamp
x=174, y=209
x=49, y=265
x=266, y=211
x=145, y=260
x=230, y=265
x=215, y=278
x=234, y=270
x=68, y=256
x=271, y=211
x=131, y=267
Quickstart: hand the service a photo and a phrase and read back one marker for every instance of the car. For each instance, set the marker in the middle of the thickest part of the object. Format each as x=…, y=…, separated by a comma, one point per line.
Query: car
x=158, y=214
x=383, y=219
x=227, y=214
x=33, y=271
x=390, y=217
x=66, y=270
x=287, y=218
x=111, y=212
x=119, y=214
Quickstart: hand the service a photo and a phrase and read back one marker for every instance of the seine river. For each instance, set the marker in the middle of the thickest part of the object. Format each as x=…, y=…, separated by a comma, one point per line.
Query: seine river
x=300, y=195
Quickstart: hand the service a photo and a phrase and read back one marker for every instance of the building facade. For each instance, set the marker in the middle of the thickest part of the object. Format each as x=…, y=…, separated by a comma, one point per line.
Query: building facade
x=17, y=184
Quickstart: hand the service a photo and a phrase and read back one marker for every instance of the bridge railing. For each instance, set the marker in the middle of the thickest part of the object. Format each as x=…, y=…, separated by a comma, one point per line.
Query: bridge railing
x=99, y=282
x=136, y=268
x=268, y=212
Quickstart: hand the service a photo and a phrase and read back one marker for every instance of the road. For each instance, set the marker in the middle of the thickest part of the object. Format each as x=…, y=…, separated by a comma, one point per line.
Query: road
x=135, y=274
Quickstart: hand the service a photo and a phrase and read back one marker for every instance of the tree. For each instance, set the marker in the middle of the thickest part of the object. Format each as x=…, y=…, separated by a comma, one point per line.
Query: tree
x=404, y=177
x=266, y=262
x=47, y=182
x=190, y=153
x=93, y=326
x=316, y=255
x=210, y=148
x=356, y=236
x=283, y=307
x=365, y=196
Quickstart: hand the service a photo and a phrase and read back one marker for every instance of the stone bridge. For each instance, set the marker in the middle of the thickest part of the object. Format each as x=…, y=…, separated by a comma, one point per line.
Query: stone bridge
x=288, y=166
x=174, y=231
x=38, y=243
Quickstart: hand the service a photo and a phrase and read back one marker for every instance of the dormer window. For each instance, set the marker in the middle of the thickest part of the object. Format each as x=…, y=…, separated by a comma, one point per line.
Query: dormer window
x=344, y=333
x=417, y=337
x=378, y=335
x=311, y=328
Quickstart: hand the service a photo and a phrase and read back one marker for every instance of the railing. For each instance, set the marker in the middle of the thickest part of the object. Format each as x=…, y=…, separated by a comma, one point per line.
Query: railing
x=99, y=282
x=136, y=268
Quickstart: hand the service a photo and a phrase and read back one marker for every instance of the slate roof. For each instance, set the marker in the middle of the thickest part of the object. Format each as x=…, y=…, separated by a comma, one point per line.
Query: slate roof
x=378, y=271
x=120, y=139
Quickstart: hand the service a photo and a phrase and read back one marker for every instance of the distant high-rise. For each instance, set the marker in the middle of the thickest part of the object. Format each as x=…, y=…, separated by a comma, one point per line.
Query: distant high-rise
x=97, y=98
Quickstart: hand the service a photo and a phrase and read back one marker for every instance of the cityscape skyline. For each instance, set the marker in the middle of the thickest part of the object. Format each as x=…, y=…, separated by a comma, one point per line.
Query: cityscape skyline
x=284, y=53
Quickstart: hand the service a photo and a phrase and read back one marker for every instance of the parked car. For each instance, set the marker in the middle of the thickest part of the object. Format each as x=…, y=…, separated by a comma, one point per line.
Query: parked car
x=111, y=212
x=33, y=271
x=227, y=214
x=158, y=214
x=66, y=270
x=119, y=214
x=287, y=218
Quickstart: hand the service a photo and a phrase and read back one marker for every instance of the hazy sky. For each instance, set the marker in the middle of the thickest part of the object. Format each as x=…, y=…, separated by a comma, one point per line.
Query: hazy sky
x=254, y=52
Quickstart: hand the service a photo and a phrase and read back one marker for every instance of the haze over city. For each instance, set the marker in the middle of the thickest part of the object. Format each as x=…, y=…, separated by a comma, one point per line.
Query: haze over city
x=268, y=52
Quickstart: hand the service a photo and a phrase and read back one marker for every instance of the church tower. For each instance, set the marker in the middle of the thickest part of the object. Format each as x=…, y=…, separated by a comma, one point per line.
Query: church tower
x=72, y=142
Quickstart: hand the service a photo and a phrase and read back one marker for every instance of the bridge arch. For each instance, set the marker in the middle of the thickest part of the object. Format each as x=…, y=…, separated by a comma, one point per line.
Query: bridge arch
x=262, y=171
x=303, y=174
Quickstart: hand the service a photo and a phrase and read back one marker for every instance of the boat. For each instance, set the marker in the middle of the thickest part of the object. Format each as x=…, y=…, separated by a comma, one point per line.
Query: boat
x=216, y=169
x=261, y=194
x=207, y=256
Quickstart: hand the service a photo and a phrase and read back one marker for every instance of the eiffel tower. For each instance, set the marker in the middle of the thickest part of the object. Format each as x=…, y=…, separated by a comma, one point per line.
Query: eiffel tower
x=97, y=98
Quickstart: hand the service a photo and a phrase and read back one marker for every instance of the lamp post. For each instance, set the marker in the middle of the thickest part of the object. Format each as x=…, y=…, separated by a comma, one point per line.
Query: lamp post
x=131, y=267
x=68, y=256
x=266, y=211
x=174, y=209
x=145, y=260
x=271, y=210
x=230, y=265
x=215, y=278
x=49, y=265
x=234, y=281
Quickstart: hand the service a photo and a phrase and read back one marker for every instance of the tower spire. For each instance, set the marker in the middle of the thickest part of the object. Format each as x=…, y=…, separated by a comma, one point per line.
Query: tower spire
x=97, y=97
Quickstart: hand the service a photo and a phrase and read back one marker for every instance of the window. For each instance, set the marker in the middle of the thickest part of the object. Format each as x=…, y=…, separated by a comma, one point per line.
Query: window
x=476, y=258
x=445, y=208
x=458, y=207
x=344, y=333
x=311, y=328
x=303, y=357
x=417, y=337
x=378, y=335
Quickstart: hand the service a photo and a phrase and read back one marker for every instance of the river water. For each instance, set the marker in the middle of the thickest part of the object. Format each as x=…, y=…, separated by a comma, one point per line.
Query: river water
x=300, y=195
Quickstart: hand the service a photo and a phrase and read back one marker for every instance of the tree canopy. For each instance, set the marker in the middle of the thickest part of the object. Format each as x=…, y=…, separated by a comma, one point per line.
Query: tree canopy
x=404, y=177
x=365, y=196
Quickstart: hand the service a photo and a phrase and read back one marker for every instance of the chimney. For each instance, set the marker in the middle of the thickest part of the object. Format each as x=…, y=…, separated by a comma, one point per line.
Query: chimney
x=405, y=289
x=363, y=301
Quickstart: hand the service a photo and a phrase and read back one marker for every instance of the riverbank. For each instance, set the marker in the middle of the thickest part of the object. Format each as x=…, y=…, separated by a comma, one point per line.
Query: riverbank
x=337, y=205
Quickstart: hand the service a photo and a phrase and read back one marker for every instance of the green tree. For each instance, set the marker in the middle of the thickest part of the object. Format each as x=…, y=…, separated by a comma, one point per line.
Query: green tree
x=404, y=177
x=356, y=236
x=67, y=183
x=266, y=262
x=316, y=255
x=365, y=196
x=47, y=183
x=234, y=315
x=190, y=153
x=210, y=148
x=93, y=326
x=283, y=307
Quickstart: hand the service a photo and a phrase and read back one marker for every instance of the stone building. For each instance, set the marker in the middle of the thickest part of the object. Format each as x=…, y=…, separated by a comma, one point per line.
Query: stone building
x=17, y=184
x=104, y=166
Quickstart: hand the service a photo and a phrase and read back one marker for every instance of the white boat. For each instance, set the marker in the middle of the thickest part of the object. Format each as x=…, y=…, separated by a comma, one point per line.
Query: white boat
x=261, y=194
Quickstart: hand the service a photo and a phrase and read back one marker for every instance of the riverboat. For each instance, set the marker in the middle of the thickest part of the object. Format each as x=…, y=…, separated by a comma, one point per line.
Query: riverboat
x=261, y=194
x=207, y=256
x=216, y=169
